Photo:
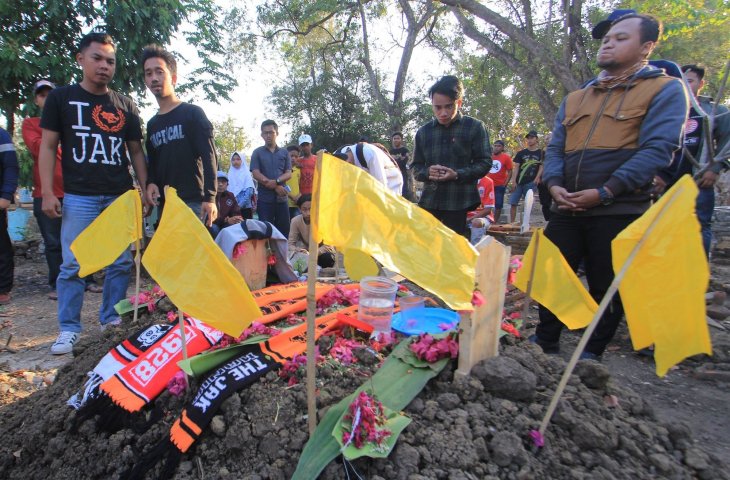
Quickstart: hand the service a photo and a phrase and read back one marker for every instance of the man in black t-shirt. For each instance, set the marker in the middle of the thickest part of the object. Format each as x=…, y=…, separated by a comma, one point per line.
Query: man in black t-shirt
x=179, y=140
x=401, y=154
x=99, y=130
x=528, y=167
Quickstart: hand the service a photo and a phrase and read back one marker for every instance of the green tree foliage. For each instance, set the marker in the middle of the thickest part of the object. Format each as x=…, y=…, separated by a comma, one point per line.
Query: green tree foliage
x=229, y=138
x=695, y=31
x=329, y=48
x=39, y=40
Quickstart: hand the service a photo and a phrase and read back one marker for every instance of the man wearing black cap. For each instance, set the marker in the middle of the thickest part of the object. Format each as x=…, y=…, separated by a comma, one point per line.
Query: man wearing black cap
x=499, y=173
x=528, y=170
x=610, y=138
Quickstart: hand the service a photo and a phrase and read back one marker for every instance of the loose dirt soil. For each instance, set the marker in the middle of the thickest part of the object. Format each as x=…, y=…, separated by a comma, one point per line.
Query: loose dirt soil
x=617, y=420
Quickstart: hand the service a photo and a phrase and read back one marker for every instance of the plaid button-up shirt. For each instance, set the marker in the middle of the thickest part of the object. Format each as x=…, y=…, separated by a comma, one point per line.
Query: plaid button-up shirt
x=462, y=146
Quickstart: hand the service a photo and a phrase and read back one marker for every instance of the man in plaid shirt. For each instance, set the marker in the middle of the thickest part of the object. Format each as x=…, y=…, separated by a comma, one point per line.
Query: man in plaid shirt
x=451, y=154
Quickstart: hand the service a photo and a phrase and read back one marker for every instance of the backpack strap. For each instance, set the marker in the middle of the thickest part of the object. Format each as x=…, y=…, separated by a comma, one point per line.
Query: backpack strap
x=255, y=234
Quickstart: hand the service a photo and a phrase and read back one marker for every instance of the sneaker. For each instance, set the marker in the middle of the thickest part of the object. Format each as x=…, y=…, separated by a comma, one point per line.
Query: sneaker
x=550, y=348
x=589, y=356
x=94, y=288
x=64, y=343
x=53, y=295
x=4, y=298
x=114, y=323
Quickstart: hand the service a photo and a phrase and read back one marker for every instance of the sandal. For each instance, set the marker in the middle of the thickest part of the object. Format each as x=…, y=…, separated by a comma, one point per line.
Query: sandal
x=94, y=288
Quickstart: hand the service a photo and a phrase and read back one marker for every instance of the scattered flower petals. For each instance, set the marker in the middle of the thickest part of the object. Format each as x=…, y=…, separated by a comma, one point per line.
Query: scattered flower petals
x=338, y=296
x=176, y=385
x=537, y=438
x=477, y=299
x=509, y=328
x=271, y=260
x=515, y=265
x=239, y=250
x=148, y=298
x=447, y=326
x=610, y=401
x=365, y=415
x=428, y=348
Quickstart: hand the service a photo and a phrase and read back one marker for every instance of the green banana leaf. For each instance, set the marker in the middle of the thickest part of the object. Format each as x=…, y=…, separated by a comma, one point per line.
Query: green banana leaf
x=199, y=365
x=396, y=383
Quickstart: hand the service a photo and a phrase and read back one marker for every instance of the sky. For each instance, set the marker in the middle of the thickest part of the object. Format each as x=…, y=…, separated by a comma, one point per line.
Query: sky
x=249, y=106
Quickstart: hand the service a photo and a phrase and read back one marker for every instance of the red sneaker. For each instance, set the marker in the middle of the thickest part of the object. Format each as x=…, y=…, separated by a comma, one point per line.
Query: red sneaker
x=4, y=298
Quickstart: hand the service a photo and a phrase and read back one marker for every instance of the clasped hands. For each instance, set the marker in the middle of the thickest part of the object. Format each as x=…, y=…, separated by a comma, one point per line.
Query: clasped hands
x=576, y=201
x=440, y=173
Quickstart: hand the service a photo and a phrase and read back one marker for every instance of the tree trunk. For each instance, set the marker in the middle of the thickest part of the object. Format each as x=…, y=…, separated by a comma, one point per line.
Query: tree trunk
x=529, y=75
x=559, y=68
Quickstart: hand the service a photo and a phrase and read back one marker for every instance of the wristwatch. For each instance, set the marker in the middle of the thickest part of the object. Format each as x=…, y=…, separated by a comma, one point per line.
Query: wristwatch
x=279, y=182
x=605, y=197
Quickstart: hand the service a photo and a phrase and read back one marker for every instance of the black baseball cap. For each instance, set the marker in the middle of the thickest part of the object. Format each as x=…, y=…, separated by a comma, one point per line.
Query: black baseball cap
x=499, y=142
x=604, y=26
x=531, y=133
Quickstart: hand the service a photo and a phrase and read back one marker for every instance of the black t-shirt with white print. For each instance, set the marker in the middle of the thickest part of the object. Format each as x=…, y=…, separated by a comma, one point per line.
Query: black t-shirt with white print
x=93, y=130
x=182, y=153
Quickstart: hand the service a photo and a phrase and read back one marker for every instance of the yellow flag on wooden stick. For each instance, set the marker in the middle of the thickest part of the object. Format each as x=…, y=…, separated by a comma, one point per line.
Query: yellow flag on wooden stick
x=357, y=214
x=663, y=290
x=554, y=283
x=193, y=271
x=101, y=243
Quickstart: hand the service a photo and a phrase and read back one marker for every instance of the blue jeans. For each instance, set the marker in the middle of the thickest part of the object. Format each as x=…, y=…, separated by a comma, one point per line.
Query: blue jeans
x=519, y=193
x=276, y=213
x=704, y=207
x=78, y=213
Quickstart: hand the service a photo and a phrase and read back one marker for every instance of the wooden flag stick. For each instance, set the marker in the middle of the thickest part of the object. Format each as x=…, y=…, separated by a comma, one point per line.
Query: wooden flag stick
x=612, y=289
x=312, y=302
x=137, y=267
x=526, y=305
x=181, y=320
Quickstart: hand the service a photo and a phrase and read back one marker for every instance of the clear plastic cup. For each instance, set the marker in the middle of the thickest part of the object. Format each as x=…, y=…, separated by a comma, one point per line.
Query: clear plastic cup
x=377, y=297
x=411, y=308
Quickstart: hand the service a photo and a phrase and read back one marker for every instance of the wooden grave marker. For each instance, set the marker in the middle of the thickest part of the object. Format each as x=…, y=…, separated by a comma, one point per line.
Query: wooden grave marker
x=479, y=338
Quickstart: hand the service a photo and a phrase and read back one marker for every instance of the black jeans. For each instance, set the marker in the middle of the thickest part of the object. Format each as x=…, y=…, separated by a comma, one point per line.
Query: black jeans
x=546, y=200
x=454, y=219
x=589, y=239
x=51, y=232
x=7, y=265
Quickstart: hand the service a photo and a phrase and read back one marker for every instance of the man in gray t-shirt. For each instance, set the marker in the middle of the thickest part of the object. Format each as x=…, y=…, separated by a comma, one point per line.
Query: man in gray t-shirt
x=271, y=167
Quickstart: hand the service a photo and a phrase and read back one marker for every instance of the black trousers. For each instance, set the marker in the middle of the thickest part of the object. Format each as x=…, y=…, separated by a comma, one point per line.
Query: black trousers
x=7, y=265
x=588, y=239
x=51, y=232
x=454, y=219
x=546, y=200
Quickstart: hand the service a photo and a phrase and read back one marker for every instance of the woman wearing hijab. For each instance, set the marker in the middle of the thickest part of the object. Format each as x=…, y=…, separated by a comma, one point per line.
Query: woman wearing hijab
x=240, y=184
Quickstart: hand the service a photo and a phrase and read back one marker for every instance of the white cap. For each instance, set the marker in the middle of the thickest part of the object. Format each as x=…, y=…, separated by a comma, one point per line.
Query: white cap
x=304, y=138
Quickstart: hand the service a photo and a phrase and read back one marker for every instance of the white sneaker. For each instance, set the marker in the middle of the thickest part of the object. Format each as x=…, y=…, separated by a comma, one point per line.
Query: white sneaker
x=116, y=322
x=64, y=343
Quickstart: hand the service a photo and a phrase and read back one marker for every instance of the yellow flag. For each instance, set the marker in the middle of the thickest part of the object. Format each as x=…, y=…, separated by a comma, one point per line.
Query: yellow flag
x=354, y=212
x=663, y=290
x=101, y=243
x=555, y=285
x=187, y=264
